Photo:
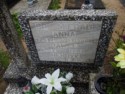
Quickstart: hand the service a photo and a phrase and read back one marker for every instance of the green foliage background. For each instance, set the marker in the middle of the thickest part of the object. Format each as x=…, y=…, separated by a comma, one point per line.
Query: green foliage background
x=17, y=25
x=54, y=4
x=4, y=59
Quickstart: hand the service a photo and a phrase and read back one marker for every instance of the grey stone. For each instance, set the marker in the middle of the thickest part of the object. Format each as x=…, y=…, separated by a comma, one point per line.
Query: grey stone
x=14, y=89
x=106, y=17
x=104, y=22
x=87, y=6
x=10, y=38
x=92, y=89
x=13, y=72
x=68, y=41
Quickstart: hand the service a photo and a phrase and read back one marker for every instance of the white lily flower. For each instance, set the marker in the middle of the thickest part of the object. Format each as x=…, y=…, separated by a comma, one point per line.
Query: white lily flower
x=70, y=90
x=53, y=81
x=35, y=80
x=121, y=55
x=69, y=76
x=121, y=64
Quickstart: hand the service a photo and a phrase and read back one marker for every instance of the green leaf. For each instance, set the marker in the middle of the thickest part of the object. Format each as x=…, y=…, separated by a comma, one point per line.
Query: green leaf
x=54, y=4
x=17, y=25
x=30, y=92
x=4, y=59
x=122, y=91
x=34, y=88
x=119, y=44
x=53, y=92
x=113, y=64
x=109, y=90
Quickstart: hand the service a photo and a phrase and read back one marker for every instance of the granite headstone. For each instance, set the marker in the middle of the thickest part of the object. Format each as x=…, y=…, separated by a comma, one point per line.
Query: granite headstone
x=68, y=37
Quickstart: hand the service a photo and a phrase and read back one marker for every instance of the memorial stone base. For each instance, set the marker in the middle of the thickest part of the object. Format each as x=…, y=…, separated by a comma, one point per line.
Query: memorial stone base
x=82, y=81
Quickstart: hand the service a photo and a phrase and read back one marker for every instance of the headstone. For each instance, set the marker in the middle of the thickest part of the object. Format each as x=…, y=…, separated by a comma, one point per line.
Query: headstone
x=68, y=37
x=67, y=41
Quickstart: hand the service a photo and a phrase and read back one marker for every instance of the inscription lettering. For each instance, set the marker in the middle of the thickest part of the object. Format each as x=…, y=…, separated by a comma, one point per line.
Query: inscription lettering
x=69, y=41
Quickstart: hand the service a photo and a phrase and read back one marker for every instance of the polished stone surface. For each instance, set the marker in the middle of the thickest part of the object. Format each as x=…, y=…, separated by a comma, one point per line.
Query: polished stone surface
x=68, y=41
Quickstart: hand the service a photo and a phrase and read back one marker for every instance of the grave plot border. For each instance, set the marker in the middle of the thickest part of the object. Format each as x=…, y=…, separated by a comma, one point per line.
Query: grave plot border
x=107, y=17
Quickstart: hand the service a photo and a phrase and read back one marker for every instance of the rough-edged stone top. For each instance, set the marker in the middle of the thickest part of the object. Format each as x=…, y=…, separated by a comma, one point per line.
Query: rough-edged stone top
x=70, y=13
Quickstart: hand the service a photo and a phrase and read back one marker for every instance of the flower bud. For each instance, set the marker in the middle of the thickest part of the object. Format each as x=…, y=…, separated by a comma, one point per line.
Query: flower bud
x=70, y=90
x=69, y=76
x=35, y=80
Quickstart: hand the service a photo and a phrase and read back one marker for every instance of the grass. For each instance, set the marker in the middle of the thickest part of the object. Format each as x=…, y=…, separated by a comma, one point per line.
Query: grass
x=4, y=59
x=54, y=5
x=17, y=25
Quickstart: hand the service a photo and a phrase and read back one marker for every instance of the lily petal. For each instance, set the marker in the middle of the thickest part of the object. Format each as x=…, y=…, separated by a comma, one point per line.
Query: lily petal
x=48, y=76
x=35, y=80
x=118, y=65
x=55, y=74
x=44, y=81
x=123, y=44
x=121, y=51
x=121, y=64
x=58, y=86
x=122, y=67
x=119, y=57
x=70, y=90
x=61, y=79
x=49, y=89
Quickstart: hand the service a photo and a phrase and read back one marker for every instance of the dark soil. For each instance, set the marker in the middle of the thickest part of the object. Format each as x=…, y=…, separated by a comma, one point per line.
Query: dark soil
x=109, y=58
x=74, y=4
x=3, y=86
